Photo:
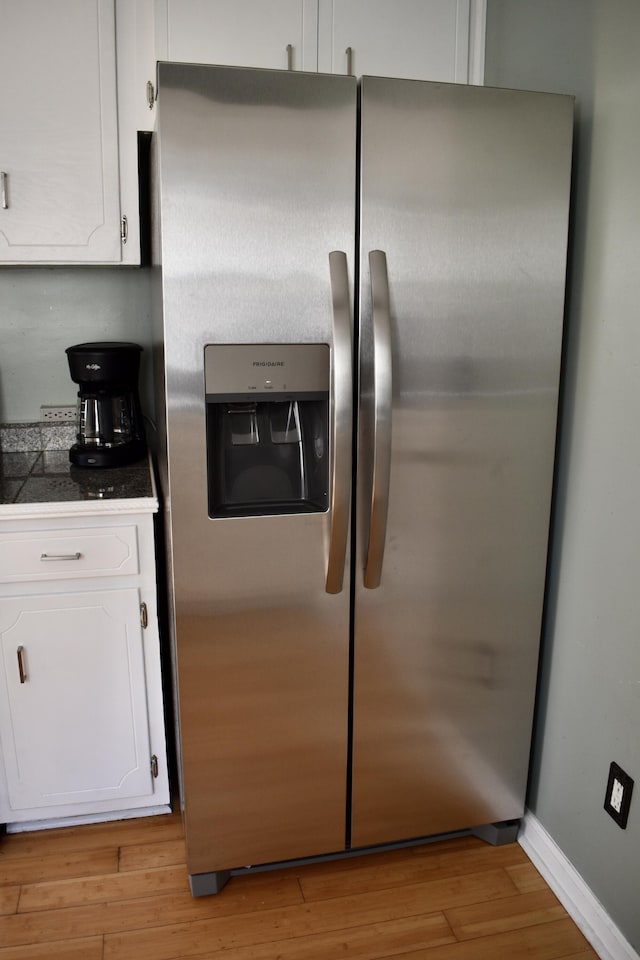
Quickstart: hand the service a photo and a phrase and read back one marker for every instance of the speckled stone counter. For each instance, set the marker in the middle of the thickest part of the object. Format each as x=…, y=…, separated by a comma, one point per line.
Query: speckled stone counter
x=43, y=481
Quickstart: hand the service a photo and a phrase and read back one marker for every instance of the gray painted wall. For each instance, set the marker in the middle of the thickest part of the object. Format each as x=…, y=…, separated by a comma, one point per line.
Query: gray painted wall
x=43, y=310
x=589, y=707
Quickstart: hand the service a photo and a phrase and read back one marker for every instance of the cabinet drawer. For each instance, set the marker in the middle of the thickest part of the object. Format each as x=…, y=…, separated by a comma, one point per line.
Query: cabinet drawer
x=68, y=554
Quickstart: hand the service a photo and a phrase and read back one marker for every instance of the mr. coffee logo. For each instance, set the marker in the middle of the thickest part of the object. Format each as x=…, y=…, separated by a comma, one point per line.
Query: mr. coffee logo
x=92, y=366
x=268, y=363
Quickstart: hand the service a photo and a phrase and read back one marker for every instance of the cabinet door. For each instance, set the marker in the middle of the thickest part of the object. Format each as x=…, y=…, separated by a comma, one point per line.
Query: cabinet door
x=58, y=140
x=411, y=39
x=73, y=714
x=243, y=33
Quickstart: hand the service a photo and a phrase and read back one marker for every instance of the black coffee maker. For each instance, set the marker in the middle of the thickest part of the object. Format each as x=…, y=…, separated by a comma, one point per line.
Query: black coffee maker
x=110, y=430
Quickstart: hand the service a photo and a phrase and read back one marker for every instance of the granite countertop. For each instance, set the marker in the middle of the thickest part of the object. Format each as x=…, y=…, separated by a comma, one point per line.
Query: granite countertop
x=41, y=481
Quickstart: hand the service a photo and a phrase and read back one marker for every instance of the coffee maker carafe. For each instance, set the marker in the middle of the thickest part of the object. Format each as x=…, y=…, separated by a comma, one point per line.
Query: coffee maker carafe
x=109, y=429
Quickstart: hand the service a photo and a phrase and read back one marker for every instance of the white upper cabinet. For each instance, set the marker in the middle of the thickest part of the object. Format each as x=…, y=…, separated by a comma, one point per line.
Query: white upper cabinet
x=249, y=33
x=415, y=39
x=412, y=39
x=58, y=132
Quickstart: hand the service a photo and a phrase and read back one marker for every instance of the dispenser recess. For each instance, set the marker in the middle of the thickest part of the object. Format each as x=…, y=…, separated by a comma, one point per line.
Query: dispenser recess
x=267, y=428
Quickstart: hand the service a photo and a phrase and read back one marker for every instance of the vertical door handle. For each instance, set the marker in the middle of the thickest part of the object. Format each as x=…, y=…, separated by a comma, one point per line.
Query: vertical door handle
x=349, y=53
x=289, y=49
x=21, y=670
x=341, y=421
x=4, y=195
x=382, y=401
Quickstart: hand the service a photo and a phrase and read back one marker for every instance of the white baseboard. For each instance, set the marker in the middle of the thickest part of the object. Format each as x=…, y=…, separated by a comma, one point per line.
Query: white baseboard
x=23, y=826
x=573, y=893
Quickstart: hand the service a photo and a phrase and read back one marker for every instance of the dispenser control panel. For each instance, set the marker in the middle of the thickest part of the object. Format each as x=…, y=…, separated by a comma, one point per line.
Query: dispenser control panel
x=235, y=370
x=267, y=427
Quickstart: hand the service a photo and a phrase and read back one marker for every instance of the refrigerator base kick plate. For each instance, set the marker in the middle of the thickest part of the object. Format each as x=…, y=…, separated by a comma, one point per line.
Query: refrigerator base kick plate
x=205, y=884
x=506, y=831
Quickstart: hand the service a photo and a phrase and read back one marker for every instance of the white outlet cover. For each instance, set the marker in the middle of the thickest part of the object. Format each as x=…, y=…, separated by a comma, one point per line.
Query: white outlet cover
x=617, y=793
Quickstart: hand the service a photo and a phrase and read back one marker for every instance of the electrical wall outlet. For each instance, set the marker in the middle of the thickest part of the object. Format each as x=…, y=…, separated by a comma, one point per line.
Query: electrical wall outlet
x=618, y=797
x=57, y=414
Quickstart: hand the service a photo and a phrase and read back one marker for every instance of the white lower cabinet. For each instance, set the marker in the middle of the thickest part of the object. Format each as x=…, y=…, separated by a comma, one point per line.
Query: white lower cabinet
x=81, y=709
x=75, y=709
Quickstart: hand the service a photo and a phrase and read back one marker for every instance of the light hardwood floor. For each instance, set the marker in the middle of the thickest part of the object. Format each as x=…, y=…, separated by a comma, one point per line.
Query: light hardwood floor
x=119, y=891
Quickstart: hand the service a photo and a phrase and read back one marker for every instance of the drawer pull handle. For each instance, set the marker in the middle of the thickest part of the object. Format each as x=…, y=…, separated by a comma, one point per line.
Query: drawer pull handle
x=21, y=670
x=60, y=556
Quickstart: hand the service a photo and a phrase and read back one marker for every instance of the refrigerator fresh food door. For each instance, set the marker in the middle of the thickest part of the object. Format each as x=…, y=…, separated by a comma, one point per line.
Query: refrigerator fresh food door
x=258, y=220
x=464, y=213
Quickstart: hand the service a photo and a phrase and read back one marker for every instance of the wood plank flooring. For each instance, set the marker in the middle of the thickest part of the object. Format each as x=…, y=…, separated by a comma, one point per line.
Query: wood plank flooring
x=119, y=891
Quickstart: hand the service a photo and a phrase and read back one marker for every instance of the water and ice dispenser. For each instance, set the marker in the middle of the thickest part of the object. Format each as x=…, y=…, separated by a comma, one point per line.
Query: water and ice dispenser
x=267, y=428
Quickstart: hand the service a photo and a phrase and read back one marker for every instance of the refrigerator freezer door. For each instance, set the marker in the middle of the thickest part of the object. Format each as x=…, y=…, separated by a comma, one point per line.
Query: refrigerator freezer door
x=466, y=191
x=256, y=172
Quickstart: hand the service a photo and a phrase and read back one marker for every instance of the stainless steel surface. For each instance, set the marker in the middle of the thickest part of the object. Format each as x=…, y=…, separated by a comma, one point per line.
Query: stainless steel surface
x=3, y=190
x=21, y=670
x=289, y=56
x=382, y=404
x=265, y=368
x=341, y=421
x=60, y=556
x=466, y=189
x=349, y=55
x=256, y=171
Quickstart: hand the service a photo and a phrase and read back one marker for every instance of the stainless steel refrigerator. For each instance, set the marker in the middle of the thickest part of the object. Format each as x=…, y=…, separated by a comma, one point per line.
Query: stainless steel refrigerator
x=358, y=342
